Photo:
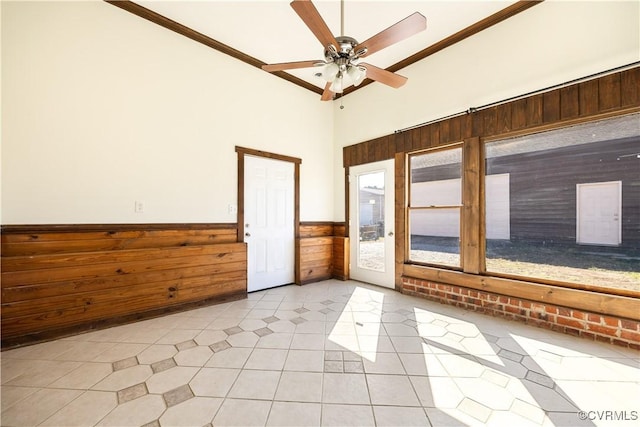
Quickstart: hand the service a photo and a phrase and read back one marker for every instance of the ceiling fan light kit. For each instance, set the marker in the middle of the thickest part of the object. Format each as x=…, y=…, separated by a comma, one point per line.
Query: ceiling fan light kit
x=341, y=67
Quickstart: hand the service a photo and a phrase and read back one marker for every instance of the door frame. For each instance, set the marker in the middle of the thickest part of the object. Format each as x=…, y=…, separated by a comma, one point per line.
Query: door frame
x=390, y=255
x=242, y=152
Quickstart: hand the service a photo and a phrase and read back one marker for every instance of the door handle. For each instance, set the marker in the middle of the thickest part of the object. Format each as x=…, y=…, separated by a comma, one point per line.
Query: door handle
x=247, y=234
x=390, y=234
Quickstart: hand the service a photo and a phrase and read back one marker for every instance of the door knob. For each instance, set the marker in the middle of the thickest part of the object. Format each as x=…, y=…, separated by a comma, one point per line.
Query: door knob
x=247, y=234
x=391, y=234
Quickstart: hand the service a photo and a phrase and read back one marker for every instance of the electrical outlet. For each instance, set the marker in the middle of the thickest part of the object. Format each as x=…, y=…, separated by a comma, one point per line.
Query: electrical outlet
x=139, y=207
x=233, y=209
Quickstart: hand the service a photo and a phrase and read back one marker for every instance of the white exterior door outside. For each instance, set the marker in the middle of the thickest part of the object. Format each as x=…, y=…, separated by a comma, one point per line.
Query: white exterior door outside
x=269, y=222
x=599, y=213
x=372, y=223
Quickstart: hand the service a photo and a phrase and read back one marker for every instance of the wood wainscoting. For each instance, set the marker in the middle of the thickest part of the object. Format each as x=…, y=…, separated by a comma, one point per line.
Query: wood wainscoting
x=63, y=279
x=323, y=251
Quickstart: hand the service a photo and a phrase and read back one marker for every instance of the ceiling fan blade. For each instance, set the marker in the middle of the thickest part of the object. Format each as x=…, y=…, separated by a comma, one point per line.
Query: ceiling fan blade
x=291, y=65
x=409, y=26
x=327, y=95
x=311, y=17
x=383, y=76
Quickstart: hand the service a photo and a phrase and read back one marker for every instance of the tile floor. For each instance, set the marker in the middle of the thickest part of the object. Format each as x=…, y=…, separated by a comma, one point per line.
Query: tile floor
x=331, y=353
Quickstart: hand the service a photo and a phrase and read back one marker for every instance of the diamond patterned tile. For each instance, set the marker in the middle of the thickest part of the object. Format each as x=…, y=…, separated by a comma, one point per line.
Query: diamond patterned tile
x=262, y=332
x=163, y=365
x=219, y=346
x=177, y=395
x=316, y=355
x=298, y=320
x=125, y=363
x=133, y=392
x=233, y=330
x=185, y=345
x=270, y=319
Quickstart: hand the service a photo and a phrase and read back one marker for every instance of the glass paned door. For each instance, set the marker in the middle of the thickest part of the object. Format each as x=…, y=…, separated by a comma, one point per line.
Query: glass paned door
x=371, y=230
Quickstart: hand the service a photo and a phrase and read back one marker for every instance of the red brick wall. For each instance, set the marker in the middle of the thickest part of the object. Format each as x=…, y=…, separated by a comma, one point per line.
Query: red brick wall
x=593, y=326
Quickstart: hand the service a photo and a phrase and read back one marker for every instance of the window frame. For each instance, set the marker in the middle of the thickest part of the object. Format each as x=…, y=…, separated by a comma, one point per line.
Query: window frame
x=408, y=208
x=635, y=294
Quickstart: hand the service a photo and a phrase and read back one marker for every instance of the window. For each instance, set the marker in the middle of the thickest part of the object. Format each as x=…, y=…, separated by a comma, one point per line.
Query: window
x=564, y=205
x=435, y=202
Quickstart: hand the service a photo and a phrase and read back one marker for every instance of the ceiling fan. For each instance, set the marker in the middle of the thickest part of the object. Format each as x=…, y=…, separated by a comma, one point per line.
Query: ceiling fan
x=341, y=66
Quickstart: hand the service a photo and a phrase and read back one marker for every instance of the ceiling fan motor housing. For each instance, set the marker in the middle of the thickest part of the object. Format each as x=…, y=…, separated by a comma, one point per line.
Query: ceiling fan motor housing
x=346, y=53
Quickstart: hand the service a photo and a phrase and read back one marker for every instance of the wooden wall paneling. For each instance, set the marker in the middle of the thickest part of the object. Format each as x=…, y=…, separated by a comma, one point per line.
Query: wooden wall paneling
x=569, y=102
x=390, y=145
x=316, y=229
x=504, y=117
x=316, y=256
x=551, y=106
x=398, y=142
x=419, y=138
x=534, y=110
x=37, y=242
x=340, y=229
x=13, y=268
x=543, y=110
x=25, y=292
x=102, y=303
x=50, y=289
x=519, y=114
x=408, y=140
x=434, y=139
x=471, y=218
x=489, y=117
x=588, y=94
x=609, y=92
x=630, y=88
x=322, y=251
x=346, y=156
x=414, y=141
x=361, y=153
x=455, y=128
x=466, y=128
x=400, y=217
x=384, y=148
x=340, y=258
x=445, y=132
x=477, y=118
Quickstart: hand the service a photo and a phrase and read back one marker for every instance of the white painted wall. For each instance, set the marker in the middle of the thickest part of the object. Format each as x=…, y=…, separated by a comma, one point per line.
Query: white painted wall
x=101, y=108
x=551, y=43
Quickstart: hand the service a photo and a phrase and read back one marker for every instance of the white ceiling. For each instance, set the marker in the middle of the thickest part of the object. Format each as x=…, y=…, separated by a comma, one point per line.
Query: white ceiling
x=272, y=32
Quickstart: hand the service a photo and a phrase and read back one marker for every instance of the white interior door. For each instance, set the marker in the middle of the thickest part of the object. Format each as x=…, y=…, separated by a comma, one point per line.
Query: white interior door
x=599, y=213
x=269, y=222
x=371, y=223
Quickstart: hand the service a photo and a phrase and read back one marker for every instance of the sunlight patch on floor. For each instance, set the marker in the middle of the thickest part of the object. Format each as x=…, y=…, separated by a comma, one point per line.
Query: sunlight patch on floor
x=358, y=327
